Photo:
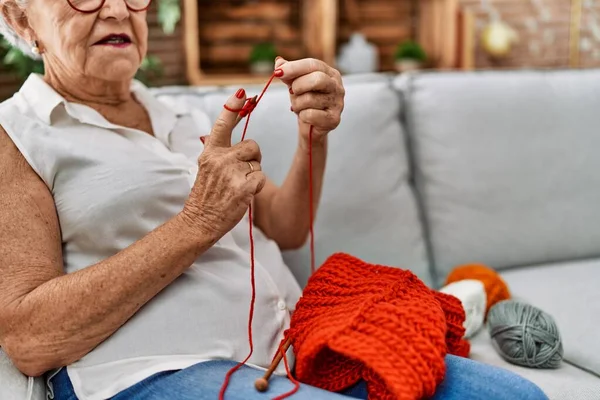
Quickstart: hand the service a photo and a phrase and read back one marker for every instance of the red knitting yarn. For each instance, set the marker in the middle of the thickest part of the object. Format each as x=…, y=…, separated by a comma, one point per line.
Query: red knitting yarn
x=362, y=321
x=246, y=111
x=380, y=324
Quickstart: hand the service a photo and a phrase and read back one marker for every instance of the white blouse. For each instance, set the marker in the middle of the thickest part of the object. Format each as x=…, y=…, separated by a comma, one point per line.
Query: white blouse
x=111, y=186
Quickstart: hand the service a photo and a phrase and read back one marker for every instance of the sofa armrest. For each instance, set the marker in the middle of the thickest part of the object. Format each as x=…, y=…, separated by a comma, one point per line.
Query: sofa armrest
x=15, y=385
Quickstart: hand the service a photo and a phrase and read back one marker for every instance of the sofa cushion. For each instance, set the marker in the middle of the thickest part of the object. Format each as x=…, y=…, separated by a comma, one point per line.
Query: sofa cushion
x=507, y=164
x=569, y=293
x=565, y=383
x=15, y=385
x=368, y=208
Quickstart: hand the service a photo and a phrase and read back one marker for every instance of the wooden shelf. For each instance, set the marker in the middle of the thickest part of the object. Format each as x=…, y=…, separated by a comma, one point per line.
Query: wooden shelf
x=313, y=35
x=219, y=36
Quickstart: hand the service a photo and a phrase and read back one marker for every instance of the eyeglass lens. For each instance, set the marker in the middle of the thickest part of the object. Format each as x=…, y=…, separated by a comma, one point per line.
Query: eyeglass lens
x=95, y=5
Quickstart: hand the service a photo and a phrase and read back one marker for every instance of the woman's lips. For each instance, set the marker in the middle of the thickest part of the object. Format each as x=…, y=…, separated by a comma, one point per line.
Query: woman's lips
x=117, y=45
x=114, y=40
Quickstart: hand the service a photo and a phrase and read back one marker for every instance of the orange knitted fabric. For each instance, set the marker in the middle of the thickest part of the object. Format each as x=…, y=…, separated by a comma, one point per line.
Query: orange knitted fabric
x=495, y=287
x=381, y=324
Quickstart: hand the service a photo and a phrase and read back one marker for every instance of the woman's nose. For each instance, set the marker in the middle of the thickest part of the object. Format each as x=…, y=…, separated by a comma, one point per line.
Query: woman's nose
x=116, y=9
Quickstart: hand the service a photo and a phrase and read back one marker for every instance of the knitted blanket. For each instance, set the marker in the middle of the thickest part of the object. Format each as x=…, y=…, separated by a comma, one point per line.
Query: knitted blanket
x=362, y=321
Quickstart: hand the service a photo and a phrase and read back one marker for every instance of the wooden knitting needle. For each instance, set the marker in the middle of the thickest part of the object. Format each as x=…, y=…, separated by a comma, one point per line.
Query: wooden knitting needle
x=262, y=384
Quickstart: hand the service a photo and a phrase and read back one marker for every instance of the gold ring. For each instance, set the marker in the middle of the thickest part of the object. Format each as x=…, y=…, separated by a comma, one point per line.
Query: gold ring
x=251, y=168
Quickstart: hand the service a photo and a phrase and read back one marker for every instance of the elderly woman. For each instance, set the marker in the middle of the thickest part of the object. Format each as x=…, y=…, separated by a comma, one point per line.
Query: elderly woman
x=124, y=258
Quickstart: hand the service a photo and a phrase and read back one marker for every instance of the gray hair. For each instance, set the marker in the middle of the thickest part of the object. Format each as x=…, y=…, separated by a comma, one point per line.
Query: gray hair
x=13, y=38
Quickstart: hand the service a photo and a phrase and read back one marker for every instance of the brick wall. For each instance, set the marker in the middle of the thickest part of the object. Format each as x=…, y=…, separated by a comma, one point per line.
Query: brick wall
x=168, y=48
x=590, y=34
x=543, y=27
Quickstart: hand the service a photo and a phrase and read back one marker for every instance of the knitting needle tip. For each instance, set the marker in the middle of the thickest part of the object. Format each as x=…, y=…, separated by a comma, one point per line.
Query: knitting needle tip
x=261, y=384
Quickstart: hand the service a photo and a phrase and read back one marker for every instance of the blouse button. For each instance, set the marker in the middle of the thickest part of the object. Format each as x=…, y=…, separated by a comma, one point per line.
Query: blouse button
x=281, y=305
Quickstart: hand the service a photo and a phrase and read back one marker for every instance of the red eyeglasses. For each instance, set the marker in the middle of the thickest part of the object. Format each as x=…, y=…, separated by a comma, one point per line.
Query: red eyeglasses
x=92, y=6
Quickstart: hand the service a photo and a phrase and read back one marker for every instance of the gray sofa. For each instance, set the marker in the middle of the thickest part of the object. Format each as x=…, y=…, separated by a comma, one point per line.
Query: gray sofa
x=433, y=170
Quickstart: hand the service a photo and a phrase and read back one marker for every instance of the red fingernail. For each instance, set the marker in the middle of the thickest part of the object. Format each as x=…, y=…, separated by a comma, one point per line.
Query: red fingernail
x=291, y=90
x=279, y=72
x=240, y=93
x=203, y=139
x=292, y=109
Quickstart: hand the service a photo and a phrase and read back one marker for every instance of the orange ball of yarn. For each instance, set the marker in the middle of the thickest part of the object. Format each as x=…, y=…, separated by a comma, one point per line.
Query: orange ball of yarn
x=495, y=287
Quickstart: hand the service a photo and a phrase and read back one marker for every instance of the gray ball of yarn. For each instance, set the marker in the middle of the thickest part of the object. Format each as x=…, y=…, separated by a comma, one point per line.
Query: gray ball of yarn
x=525, y=335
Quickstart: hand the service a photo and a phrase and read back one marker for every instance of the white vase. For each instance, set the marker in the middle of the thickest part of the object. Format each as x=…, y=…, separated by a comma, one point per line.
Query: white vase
x=358, y=56
x=407, y=64
x=262, y=67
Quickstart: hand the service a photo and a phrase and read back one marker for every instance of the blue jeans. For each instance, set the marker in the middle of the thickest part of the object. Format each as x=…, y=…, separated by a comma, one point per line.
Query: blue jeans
x=465, y=380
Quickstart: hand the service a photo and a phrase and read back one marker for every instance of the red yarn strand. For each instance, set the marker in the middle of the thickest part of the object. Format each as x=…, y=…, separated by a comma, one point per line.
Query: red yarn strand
x=251, y=314
x=265, y=88
x=247, y=110
x=311, y=201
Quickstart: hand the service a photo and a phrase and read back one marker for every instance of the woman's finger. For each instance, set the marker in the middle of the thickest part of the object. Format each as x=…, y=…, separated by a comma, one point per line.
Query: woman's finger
x=318, y=101
x=255, y=182
x=248, y=167
x=248, y=150
x=279, y=61
x=220, y=136
x=237, y=121
x=292, y=70
x=325, y=120
x=314, y=82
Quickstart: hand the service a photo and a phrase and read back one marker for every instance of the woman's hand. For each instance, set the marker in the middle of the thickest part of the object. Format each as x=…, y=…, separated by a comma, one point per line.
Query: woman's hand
x=228, y=177
x=316, y=92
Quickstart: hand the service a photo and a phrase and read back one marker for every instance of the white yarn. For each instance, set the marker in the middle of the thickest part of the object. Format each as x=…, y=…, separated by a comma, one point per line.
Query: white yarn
x=472, y=295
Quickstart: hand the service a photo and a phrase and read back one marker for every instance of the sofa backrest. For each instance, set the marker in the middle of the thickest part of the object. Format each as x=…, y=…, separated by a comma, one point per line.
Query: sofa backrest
x=368, y=207
x=506, y=164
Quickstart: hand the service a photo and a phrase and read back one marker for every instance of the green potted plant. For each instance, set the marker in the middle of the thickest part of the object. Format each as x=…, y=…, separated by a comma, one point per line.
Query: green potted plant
x=169, y=14
x=16, y=61
x=409, y=56
x=262, y=58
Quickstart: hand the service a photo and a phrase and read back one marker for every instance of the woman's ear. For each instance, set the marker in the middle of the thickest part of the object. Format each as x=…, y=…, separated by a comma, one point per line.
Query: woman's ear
x=16, y=17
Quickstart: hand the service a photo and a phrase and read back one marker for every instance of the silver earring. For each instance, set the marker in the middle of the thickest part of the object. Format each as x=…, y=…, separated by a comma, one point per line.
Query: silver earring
x=35, y=48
